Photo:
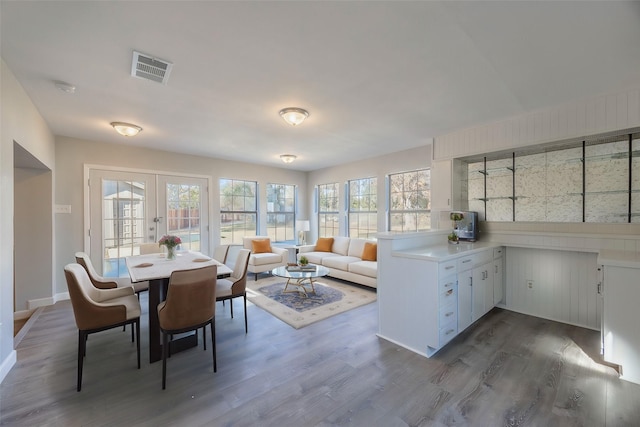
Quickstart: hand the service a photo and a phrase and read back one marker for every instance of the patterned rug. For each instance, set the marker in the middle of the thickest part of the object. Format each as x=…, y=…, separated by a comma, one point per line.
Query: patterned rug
x=331, y=297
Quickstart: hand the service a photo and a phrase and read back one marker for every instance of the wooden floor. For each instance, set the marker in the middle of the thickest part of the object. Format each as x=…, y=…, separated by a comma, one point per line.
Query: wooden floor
x=506, y=370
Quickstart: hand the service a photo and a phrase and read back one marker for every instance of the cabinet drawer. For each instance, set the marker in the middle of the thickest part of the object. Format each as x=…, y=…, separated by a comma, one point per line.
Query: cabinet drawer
x=448, y=314
x=448, y=332
x=447, y=283
x=466, y=263
x=497, y=252
x=448, y=296
x=447, y=268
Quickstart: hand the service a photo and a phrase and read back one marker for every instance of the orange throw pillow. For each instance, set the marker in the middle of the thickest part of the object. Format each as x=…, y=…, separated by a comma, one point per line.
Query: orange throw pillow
x=324, y=244
x=261, y=246
x=370, y=252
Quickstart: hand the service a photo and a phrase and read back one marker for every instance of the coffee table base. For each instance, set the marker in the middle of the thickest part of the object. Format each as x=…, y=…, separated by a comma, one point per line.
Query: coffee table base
x=299, y=287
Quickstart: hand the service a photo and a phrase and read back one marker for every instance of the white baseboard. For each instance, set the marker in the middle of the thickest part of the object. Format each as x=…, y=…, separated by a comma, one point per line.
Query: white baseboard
x=24, y=314
x=32, y=304
x=7, y=364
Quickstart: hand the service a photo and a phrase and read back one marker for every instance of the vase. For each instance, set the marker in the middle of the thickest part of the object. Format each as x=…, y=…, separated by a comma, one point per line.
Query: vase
x=171, y=252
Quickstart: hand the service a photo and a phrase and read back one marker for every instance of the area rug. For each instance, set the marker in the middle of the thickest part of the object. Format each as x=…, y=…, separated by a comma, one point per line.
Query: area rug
x=331, y=297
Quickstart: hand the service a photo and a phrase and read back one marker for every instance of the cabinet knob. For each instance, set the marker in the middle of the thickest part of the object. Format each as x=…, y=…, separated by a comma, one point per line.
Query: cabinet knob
x=450, y=331
x=450, y=291
x=449, y=314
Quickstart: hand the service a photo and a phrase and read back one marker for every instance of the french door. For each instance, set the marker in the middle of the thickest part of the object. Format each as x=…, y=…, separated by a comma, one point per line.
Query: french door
x=127, y=209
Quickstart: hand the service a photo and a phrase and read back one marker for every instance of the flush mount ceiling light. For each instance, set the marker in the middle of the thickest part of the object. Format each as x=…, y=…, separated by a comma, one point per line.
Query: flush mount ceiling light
x=126, y=129
x=64, y=86
x=294, y=116
x=288, y=158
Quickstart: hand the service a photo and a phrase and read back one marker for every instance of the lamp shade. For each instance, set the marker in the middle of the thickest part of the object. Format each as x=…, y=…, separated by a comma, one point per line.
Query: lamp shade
x=303, y=225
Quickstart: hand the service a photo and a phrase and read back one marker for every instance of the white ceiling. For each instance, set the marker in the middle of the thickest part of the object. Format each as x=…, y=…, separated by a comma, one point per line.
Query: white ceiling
x=376, y=77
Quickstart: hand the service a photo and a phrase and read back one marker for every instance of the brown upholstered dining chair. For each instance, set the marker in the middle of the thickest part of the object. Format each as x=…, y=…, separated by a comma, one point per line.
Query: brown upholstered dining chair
x=111, y=282
x=149, y=248
x=236, y=285
x=97, y=310
x=190, y=305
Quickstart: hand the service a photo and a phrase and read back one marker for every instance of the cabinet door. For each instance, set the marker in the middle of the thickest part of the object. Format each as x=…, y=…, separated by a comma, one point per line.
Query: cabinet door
x=498, y=287
x=465, y=291
x=488, y=286
x=477, y=294
x=441, y=191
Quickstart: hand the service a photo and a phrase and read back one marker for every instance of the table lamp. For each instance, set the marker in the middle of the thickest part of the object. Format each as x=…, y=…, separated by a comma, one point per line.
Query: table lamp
x=302, y=226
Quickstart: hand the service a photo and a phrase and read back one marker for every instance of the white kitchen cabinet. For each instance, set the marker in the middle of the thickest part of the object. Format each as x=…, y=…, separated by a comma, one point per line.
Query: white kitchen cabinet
x=621, y=335
x=498, y=275
x=465, y=299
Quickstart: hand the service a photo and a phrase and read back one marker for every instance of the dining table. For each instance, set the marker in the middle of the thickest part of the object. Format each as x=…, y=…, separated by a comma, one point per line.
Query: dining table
x=157, y=269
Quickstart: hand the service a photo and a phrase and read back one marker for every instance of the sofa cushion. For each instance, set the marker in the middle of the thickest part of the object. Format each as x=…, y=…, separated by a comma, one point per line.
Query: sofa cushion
x=364, y=268
x=261, y=246
x=246, y=241
x=324, y=244
x=341, y=246
x=356, y=246
x=370, y=252
x=339, y=262
x=265, y=258
x=317, y=257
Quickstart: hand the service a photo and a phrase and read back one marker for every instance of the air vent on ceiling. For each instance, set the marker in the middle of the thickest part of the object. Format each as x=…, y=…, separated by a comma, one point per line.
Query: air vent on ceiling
x=147, y=67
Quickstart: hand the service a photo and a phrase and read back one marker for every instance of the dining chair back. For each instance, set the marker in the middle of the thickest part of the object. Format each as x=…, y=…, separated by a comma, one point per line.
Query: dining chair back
x=149, y=248
x=220, y=253
x=236, y=285
x=111, y=282
x=190, y=305
x=96, y=310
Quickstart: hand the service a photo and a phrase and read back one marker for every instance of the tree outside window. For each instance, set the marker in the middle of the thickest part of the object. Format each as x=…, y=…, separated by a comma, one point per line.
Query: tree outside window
x=410, y=201
x=363, y=207
x=281, y=212
x=328, y=224
x=238, y=210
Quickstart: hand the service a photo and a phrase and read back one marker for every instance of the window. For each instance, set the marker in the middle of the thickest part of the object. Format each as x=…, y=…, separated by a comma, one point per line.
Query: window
x=328, y=224
x=183, y=214
x=410, y=201
x=238, y=210
x=281, y=212
x=363, y=207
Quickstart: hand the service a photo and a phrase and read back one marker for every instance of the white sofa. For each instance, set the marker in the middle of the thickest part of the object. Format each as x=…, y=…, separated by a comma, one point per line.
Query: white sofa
x=345, y=260
x=261, y=262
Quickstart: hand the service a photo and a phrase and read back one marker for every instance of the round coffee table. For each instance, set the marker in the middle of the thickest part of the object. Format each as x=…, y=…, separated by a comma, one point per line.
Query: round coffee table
x=299, y=278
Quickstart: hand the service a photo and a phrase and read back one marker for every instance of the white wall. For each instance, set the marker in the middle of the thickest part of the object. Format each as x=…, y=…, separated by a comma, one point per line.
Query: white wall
x=73, y=154
x=401, y=161
x=21, y=122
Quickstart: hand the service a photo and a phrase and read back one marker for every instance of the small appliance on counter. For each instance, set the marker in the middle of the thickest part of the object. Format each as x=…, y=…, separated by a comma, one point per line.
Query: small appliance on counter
x=467, y=227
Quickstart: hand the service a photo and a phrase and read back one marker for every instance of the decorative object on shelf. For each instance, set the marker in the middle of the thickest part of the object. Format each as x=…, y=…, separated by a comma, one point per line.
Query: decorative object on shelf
x=454, y=217
x=126, y=129
x=303, y=261
x=302, y=226
x=293, y=115
x=170, y=242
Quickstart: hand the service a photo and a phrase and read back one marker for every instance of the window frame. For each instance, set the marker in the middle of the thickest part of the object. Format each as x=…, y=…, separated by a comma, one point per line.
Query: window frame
x=424, y=212
x=325, y=190
x=372, y=183
x=223, y=212
x=290, y=215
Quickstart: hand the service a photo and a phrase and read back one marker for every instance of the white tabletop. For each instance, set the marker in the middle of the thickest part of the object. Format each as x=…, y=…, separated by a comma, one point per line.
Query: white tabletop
x=156, y=266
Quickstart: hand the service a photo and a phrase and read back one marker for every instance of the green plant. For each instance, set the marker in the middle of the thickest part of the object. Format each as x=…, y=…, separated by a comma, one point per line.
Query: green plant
x=456, y=216
x=452, y=237
x=303, y=260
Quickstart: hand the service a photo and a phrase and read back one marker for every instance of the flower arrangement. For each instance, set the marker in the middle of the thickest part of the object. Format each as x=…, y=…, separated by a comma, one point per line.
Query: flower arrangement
x=169, y=241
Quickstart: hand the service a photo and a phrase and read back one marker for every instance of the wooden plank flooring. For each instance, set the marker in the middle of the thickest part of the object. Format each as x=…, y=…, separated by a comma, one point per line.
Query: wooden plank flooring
x=506, y=370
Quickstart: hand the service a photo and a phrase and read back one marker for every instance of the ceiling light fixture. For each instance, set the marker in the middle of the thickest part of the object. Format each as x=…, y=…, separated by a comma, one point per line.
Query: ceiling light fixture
x=288, y=158
x=126, y=129
x=64, y=86
x=294, y=116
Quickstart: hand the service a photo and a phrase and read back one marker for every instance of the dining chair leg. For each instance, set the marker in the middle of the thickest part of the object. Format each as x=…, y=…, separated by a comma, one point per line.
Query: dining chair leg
x=165, y=344
x=82, y=343
x=132, y=336
x=204, y=336
x=246, y=324
x=138, y=341
x=213, y=344
x=231, y=305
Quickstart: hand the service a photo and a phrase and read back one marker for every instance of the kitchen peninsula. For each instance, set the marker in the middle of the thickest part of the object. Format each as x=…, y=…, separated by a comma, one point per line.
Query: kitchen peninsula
x=429, y=291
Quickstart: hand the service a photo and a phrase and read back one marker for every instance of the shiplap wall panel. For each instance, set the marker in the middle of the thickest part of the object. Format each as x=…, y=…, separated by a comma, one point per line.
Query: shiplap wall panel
x=564, y=285
x=593, y=116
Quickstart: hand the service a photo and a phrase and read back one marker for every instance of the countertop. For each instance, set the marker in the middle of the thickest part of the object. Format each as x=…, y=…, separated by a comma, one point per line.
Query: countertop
x=444, y=252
